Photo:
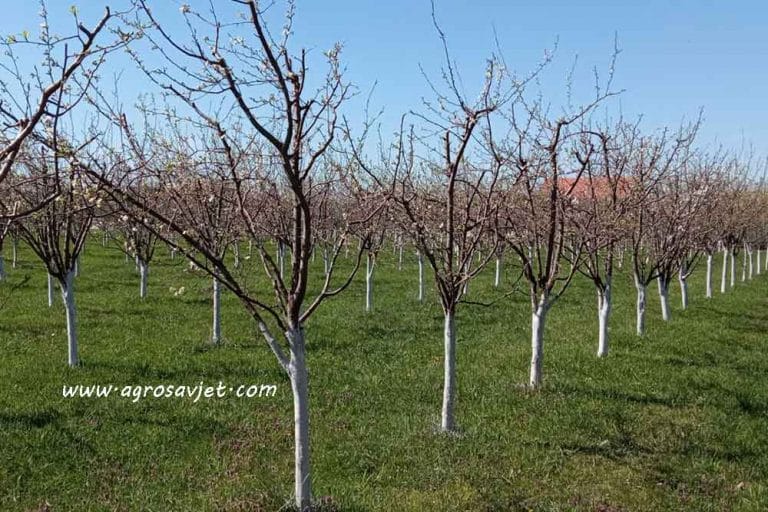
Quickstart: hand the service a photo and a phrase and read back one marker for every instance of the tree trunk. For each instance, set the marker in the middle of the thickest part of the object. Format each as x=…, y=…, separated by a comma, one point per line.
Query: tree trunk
x=369, y=264
x=15, y=251
x=447, y=423
x=604, y=300
x=77, y=266
x=2, y=267
x=50, y=290
x=68, y=296
x=420, y=257
x=538, y=318
x=640, y=323
x=297, y=372
x=744, y=264
x=683, y=278
x=216, y=333
x=758, y=269
x=733, y=268
x=497, y=277
x=724, y=280
x=664, y=297
x=709, y=276
x=143, y=278
x=751, y=263
x=236, y=251
x=400, y=259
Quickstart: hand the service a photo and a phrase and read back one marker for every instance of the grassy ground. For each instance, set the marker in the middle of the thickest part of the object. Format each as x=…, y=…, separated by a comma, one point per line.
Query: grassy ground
x=675, y=421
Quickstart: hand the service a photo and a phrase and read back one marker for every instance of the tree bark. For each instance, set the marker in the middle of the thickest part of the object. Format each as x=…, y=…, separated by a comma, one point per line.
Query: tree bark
x=143, y=278
x=15, y=251
x=297, y=372
x=640, y=322
x=68, y=296
x=681, y=276
x=604, y=300
x=421, y=276
x=447, y=422
x=2, y=267
x=216, y=332
x=497, y=277
x=733, y=268
x=724, y=280
x=538, y=318
x=709, y=276
x=664, y=298
x=50, y=290
x=369, y=264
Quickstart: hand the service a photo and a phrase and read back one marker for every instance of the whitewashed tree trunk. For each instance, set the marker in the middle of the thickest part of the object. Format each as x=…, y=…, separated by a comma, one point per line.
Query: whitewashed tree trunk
x=50, y=290
x=604, y=305
x=733, y=268
x=2, y=267
x=751, y=263
x=664, y=297
x=724, y=280
x=447, y=422
x=640, y=309
x=236, y=252
x=281, y=258
x=758, y=268
x=420, y=258
x=682, y=277
x=326, y=261
x=465, y=288
x=216, y=331
x=297, y=372
x=400, y=258
x=15, y=252
x=68, y=296
x=77, y=266
x=369, y=265
x=143, y=278
x=538, y=318
x=709, y=276
x=497, y=277
x=744, y=264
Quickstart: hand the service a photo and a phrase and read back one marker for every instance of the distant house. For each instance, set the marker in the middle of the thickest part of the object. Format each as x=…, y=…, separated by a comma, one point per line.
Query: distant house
x=585, y=187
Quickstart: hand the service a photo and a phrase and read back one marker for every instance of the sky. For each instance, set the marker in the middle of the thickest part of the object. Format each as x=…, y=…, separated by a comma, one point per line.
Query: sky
x=677, y=56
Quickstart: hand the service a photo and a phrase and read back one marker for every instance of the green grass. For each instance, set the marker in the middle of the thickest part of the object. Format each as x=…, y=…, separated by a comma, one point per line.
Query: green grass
x=677, y=420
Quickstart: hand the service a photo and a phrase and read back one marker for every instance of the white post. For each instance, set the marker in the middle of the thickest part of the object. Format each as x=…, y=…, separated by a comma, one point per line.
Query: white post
x=216, y=334
x=603, y=316
x=538, y=317
x=68, y=296
x=50, y=290
x=709, y=276
x=447, y=423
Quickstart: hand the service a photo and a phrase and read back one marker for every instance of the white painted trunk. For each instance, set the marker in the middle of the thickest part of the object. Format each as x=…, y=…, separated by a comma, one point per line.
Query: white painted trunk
x=604, y=300
x=733, y=269
x=447, y=421
x=497, y=277
x=664, y=297
x=751, y=264
x=15, y=253
x=709, y=276
x=421, y=275
x=724, y=280
x=400, y=259
x=640, y=308
x=326, y=261
x=465, y=288
x=758, y=268
x=538, y=318
x=68, y=296
x=216, y=332
x=143, y=279
x=369, y=264
x=743, y=264
x=297, y=372
x=2, y=267
x=681, y=277
x=50, y=290
x=77, y=266
x=236, y=251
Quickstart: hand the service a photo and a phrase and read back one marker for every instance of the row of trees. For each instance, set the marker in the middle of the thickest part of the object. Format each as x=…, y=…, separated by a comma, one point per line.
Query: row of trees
x=242, y=146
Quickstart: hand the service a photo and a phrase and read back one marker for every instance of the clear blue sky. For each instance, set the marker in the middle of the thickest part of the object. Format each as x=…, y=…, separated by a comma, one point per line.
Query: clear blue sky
x=676, y=56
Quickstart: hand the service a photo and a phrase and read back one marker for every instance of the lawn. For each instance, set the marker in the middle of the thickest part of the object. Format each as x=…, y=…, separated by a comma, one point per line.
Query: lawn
x=677, y=420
